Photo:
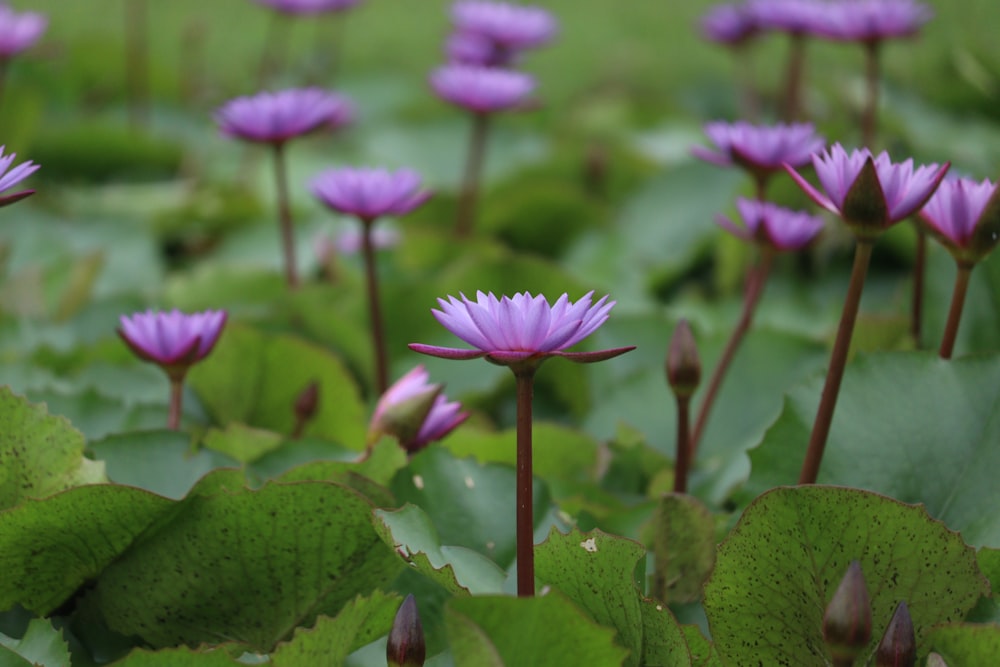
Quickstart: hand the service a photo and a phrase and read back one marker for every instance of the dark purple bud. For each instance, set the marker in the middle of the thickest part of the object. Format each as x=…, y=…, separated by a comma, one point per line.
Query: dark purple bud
x=847, y=623
x=683, y=366
x=307, y=402
x=406, y=647
x=898, y=647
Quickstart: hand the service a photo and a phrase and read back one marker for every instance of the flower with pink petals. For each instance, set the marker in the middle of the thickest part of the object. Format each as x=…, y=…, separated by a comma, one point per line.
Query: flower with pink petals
x=796, y=17
x=9, y=179
x=507, y=26
x=482, y=90
x=305, y=7
x=870, y=193
x=172, y=340
x=274, y=118
x=964, y=215
x=775, y=226
x=731, y=24
x=872, y=21
x=19, y=30
x=369, y=193
x=760, y=149
x=467, y=49
x=415, y=412
x=520, y=330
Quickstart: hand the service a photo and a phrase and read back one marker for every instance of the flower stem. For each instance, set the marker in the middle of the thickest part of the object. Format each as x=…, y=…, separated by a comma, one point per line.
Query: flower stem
x=525, y=521
x=275, y=48
x=374, y=308
x=838, y=360
x=684, y=444
x=756, y=280
x=285, y=216
x=793, y=76
x=869, y=119
x=467, y=198
x=176, y=393
x=955, y=311
x=917, y=306
x=137, y=61
x=749, y=99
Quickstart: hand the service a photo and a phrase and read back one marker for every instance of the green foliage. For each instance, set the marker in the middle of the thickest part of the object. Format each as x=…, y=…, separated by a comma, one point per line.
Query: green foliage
x=682, y=534
x=965, y=645
x=41, y=645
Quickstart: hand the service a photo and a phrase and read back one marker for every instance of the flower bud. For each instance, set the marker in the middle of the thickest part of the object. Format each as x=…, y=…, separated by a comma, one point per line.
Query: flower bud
x=864, y=209
x=847, y=623
x=307, y=401
x=403, y=418
x=683, y=366
x=406, y=647
x=898, y=647
x=987, y=232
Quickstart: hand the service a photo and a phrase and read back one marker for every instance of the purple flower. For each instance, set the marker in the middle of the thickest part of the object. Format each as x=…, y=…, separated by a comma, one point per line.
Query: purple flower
x=508, y=27
x=870, y=194
x=482, y=89
x=760, y=149
x=173, y=340
x=523, y=328
x=308, y=6
x=416, y=412
x=775, y=226
x=728, y=24
x=874, y=20
x=18, y=31
x=961, y=217
x=369, y=193
x=796, y=17
x=274, y=118
x=467, y=49
x=9, y=179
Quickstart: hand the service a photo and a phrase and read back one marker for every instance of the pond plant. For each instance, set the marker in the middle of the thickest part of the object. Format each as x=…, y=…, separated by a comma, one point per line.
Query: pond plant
x=789, y=480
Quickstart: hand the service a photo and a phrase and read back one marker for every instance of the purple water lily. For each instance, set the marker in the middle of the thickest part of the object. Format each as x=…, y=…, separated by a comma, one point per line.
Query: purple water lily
x=274, y=118
x=507, y=27
x=873, y=20
x=9, y=179
x=416, y=412
x=19, y=30
x=730, y=24
x=777, y=227
x=369, y=193
x=482, y=90
x=790, y=16
x=305, y=7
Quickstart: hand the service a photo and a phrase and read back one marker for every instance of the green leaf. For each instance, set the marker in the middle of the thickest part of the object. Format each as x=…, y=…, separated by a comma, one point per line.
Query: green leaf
x=98, y=416
x=932, y=443
x=966, y=645
x=178, y=657
x=254, y=378
x=490, y=631
x=331, y=640
x=380, y=465
x=782, y=562
x=40, y=454
x=559, y=452
x=248, y=566
x=663, y=640
x=703, y=653
x=41, y=645
x=241, y=442
x=682, y=532
x=411, y=534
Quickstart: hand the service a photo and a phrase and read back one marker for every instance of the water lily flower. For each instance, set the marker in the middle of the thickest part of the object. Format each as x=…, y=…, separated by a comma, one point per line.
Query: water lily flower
x=775, y=226
x=467, y=49
x=508, y=27
x=19, y=30
x=274, y=118
x=174, y=341
x=482, y=90
x=873, y=20
x=305, y=7
x=416, y=412
x=9, y=179
x=730, y=24
x=790, y=16
x=369, y=193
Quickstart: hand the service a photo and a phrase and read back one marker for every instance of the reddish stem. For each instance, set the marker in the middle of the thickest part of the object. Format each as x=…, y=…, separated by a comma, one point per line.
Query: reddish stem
x=684, y=445
x=525, y=520
x=917, y=306
x=869, y=119
x=955, y=311
x=137, y=61
x=374, y=308
x=285, y=216
x=471, y=177
x=838, y=361
x=176, y=394
x=793, y=76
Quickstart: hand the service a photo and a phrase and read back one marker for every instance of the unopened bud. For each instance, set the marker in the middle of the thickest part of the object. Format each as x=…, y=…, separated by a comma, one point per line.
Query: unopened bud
x=406, y=647
x=935, y=660
x=864, y=209
x=683, y=366
x=986, y=234
x=307, y=401
x=847, y=623
x=403, y=419
x=898, y=647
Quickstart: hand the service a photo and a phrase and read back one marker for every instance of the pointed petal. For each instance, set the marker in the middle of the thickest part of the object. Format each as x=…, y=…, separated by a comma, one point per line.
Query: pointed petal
x=446, y=352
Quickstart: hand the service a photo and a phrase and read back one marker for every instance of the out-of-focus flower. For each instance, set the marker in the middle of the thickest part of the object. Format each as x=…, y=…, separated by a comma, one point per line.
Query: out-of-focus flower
x=872, y=21
x=9, y=179
x=522, y=328
x=467, y=49
x=274, y=118
x=964, y=215
x=19, y=30
x=507, y=26
x=760, y=149
x=482, y=90
x=369, y=193
x=415, y=412
x=308, y=6
x=777, y=227
x=797, y=17
x=172, y=340
x=348, y=241
x=870, y=193
x=730, y=24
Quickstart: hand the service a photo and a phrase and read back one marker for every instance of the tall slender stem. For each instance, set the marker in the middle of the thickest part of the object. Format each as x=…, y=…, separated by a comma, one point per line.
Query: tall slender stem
x=749, y=99
x=471, y=177
x=275, y=48
x=525, y=521
x=176, y=394
x=755, y=283
x=4, y=67
x=793, y=76
x=374, y=308
x=955, y=311
x=137, y=61
x=838, y=360
x=285, y=216
x=917, y=305
x=869, y=119
x=684, y=444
